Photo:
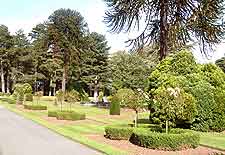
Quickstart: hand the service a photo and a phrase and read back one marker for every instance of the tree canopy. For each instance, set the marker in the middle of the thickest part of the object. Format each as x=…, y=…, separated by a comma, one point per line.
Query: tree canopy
x=170, y=24
x=202, y=82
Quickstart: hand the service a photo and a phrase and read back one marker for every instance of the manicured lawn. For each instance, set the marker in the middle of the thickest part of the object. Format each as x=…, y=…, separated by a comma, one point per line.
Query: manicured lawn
x=75, y=131
x=215, y=140
x=96, y=120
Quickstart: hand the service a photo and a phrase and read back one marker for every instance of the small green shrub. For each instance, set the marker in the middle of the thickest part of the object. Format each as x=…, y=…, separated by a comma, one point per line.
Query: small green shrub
x=35, y=107
x=70, y=115
x=177, y=139
x=118, y=132
x=52, y=113
x=100, y=96
x=114, y=106
x=29, y=97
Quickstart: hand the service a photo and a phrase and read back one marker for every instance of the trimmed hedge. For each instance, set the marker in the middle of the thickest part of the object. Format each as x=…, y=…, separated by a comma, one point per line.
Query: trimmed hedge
x=177, y=139
x=8, y=100
x=118, y=132
x=52, y=113
x=70, y=115
x=35, y=107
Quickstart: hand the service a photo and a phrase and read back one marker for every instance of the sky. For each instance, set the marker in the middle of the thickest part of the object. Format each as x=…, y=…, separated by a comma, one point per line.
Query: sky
x=25, y=14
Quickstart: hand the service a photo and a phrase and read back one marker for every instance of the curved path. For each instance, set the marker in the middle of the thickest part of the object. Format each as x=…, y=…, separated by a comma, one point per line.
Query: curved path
x=19, y=136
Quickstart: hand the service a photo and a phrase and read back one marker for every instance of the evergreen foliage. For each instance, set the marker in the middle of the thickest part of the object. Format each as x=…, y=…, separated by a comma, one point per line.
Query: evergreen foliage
x=200, y=84
x=169, y=24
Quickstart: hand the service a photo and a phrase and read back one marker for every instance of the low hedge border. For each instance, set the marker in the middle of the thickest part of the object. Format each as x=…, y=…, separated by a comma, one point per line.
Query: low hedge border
x=52, y=113
x=35, y=107
x=8, y=100
x=177, y=139
x=67, y=115
x=118, y=132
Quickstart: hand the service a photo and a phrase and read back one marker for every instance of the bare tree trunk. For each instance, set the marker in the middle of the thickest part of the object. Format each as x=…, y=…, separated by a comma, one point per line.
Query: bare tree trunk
x=50, y=92
x=54, y=91
x=35, y=89
x=64, y=79
x=2, y=78
x=136, y=119
x=163, y=29
x=96, y=94
x=167, y=126
x=8, y=85
x=50, y=88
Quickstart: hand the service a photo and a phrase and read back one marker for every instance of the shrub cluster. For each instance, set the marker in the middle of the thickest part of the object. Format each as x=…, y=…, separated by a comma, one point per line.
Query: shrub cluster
x=203, y=88
x=118, y=132
x=67, y=115
x=175, y=140
x=35, y=107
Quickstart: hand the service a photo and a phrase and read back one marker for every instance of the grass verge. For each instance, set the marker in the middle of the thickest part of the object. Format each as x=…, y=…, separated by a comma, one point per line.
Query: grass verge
x=67, y=132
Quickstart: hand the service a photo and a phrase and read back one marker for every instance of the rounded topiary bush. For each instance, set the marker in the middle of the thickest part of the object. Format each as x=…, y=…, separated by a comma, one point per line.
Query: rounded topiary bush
x=118, y=132
x=70, y=115
x=35, y=107
x=177, y=139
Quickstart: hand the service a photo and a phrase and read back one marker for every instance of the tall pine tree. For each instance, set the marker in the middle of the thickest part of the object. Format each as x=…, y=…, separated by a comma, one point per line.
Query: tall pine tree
x=172, y=24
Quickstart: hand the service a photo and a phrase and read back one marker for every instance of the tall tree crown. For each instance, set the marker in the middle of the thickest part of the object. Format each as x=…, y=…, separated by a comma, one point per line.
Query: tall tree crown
x=168, y=23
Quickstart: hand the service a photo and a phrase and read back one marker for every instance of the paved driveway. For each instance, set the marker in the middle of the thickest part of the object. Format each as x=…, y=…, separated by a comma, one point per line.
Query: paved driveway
x=19, y=136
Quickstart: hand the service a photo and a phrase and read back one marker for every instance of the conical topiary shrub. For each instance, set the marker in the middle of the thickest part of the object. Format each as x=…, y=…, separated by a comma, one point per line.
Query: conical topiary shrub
x=114, y=106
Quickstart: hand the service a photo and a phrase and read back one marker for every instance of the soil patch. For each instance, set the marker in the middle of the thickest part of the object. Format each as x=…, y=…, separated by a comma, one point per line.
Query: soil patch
x=136, y=150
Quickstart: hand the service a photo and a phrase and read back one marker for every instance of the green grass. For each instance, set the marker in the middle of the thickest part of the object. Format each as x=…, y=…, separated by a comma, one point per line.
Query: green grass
x=78, y=131
x=74, y=132
x=214, y=140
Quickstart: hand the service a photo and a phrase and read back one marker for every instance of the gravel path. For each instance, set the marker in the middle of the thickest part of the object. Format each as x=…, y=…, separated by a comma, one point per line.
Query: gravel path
x=19, y=136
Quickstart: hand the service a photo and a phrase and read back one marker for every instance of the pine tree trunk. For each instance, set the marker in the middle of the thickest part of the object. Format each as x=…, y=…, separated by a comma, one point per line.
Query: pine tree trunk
x=54, y=91
x=50, y=88
x=8, y=85
x=35, y=89
x=96, y=94
x=2, y=78
x=64, y=79
x=163, y=29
